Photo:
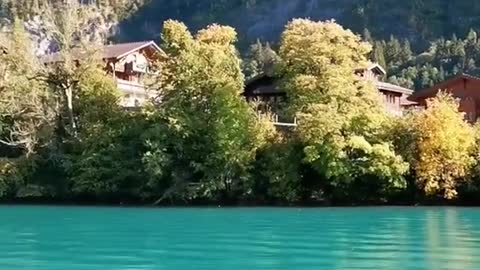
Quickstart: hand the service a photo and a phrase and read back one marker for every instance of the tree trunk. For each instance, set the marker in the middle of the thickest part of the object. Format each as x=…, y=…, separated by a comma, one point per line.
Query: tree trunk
x=71, y=116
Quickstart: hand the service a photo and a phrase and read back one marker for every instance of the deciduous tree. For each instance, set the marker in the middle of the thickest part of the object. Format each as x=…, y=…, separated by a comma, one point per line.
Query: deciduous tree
x=340, y=117
x=206, y=134
x=26, y=105
x=444, y=144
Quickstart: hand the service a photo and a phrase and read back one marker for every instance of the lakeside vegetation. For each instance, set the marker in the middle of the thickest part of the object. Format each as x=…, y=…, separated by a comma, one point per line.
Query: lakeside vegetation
x=65, y=137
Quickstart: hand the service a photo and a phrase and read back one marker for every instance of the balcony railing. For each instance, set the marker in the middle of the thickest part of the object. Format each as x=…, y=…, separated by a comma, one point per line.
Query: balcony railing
x=277, y=120
x=128, y=87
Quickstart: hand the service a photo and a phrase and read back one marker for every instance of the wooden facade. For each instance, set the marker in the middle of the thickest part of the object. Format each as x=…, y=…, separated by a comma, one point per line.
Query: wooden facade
x=267, y=89
x=394, y=97
x=464, y=87
x=128, y=63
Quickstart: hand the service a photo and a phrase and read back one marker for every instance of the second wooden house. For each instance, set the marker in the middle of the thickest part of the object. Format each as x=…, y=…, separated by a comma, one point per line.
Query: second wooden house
x=128, y=63
x=267, y=89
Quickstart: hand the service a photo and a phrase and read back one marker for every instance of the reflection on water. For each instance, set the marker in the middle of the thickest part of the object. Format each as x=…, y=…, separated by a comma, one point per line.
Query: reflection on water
x=43, y=238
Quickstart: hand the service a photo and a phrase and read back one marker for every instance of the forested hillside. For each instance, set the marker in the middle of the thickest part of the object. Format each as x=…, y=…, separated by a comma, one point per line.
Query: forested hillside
x=417, y=20
x=444, y=58
x=420, y=42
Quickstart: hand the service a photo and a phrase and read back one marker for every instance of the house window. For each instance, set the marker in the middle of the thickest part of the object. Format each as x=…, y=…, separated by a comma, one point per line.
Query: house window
x=471, y=117
x=133, y=78
x=390, y=98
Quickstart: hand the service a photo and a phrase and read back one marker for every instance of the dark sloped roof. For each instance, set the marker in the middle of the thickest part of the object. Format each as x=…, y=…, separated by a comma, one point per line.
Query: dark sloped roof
x=265, y=84
x=432, y=91
x=122, y=49
x=393, y=88
x=373, y=66
x=405, y=102
x=106, y=52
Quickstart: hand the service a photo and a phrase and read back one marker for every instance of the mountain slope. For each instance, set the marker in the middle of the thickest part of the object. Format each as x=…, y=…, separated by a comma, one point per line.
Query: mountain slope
x=417, y=20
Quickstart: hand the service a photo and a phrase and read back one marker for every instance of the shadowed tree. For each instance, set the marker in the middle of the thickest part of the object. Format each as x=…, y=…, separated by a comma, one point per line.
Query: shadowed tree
x=206, y=135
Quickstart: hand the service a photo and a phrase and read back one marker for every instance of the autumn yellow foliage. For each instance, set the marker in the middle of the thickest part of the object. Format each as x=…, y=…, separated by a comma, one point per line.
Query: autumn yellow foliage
x=444, y=143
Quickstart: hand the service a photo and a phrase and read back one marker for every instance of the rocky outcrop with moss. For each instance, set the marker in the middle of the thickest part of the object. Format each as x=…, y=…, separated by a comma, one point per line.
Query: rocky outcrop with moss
x=103, y=21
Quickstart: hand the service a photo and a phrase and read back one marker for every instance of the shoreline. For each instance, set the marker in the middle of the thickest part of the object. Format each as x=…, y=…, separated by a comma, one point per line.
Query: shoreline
x=73, y=204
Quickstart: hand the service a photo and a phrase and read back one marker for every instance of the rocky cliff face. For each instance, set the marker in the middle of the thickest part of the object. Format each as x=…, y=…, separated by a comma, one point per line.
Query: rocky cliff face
x=99, y=29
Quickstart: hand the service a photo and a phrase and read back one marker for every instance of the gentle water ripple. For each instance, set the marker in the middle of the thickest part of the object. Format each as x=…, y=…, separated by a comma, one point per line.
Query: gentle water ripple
x=41, y=238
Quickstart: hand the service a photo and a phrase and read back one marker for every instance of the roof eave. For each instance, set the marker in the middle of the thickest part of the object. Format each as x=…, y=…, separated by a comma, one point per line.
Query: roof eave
x=382, y=70
x=432, y=91
x=150, y=43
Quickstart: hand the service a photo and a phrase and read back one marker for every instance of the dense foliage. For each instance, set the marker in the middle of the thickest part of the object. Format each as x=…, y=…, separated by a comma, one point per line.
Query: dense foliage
x=444, y=146
x=64, y=136
x=205, y=134
x=340, y=118
x=430, y=40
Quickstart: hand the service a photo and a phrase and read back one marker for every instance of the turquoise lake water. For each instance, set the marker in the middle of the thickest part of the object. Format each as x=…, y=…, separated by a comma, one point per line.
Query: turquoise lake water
x=61, y=238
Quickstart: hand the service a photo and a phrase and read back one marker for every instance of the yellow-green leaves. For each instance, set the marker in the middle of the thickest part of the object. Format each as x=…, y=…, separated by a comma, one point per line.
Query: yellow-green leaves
x=310, y=47
x=444, y=144
x=26, y=105
x=208, y=59
x=209, y=133
x=176, y=37
x=218, y=35
x=340, y=118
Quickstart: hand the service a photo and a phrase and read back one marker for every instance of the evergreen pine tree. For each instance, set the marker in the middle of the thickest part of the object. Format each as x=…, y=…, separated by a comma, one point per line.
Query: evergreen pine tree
x=367, y=36
x=406, y=52
x=379, y=54
x=392, y=52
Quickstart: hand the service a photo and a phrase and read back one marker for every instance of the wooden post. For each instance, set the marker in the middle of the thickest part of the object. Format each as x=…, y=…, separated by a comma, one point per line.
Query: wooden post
x=114, y=69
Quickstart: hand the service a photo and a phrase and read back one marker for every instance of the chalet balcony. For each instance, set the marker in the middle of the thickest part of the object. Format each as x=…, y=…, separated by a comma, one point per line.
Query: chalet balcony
x=131, y=88
x=279, y=120
x=134, y=94
x=394, y=110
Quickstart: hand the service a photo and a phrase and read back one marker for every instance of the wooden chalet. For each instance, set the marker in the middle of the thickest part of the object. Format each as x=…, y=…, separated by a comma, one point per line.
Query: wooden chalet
x=394, y=97
x=267, y=89
x=128, y=63
x=464, y=87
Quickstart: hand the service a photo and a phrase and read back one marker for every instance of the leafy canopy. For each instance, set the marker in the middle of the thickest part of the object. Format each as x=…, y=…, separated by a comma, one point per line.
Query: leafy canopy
x=340, y=117
x=206, y=134
x=444, y=143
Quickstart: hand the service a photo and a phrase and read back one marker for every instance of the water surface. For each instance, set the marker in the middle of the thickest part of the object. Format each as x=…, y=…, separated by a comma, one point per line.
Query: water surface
x=60, y=238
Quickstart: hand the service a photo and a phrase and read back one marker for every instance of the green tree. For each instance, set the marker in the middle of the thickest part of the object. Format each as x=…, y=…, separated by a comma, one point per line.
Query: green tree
x=406, y=52
x=105, y=160
x=340, y=118
x=25, y=102
x=206, y=135
x=67, y=24
x=261, y=59
x=378, y=54
x=393, y=53
x=26, y=110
